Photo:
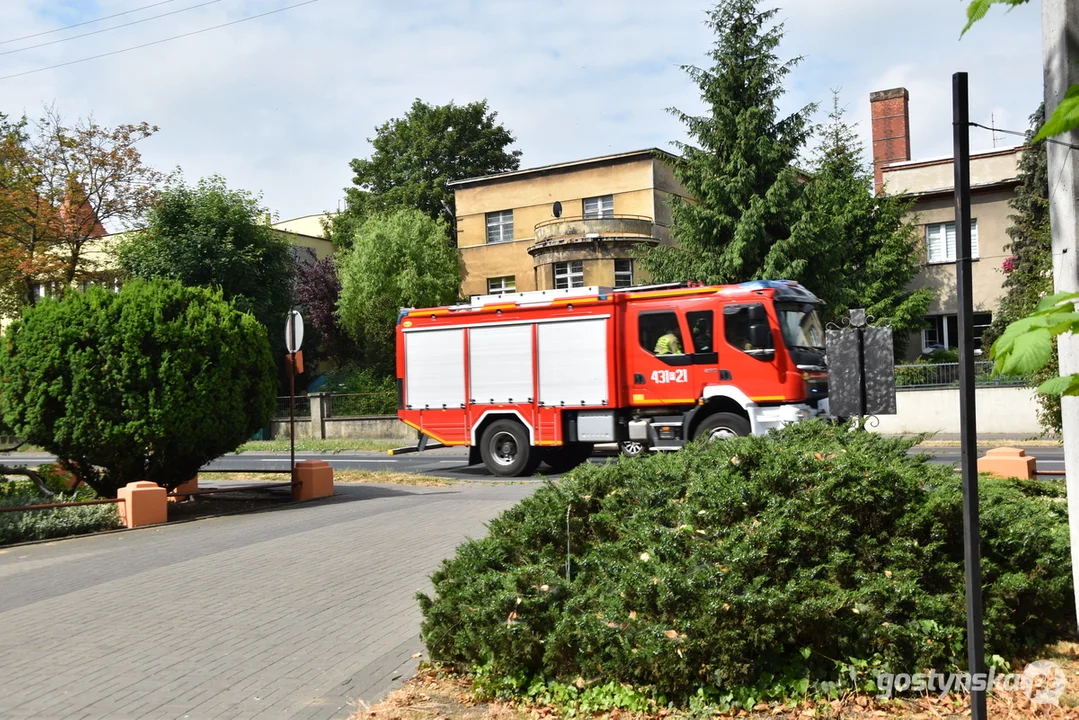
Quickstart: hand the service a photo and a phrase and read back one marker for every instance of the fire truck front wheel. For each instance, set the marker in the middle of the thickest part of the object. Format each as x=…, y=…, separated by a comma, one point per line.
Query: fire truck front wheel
x=505, y=450
x=722, y=426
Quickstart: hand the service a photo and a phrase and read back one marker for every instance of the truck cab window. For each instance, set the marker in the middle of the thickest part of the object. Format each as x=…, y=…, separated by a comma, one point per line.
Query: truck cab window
x=701, y=330
x=659, y=334
x=746, y=329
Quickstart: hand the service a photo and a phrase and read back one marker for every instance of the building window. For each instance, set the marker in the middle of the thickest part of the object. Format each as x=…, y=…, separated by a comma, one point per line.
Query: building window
x=501, y=285
x=500, y=226
x=943, y=332
x=569, y=275
x=623, y=273
x=599, y=207
x=940, y=242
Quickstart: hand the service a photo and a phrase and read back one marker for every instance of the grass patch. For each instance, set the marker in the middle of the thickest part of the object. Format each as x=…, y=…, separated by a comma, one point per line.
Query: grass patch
x=304, y=445
x=374, y=477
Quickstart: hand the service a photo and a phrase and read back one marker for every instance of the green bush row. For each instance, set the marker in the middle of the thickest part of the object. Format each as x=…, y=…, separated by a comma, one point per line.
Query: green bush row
x=59, y=522
x=762, y=562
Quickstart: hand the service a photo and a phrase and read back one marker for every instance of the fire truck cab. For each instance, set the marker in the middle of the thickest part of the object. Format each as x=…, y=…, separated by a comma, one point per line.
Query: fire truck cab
x=533, y=377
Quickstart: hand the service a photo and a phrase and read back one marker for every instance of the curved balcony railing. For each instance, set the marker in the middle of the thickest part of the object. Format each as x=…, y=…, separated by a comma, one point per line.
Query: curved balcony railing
x=589, y=228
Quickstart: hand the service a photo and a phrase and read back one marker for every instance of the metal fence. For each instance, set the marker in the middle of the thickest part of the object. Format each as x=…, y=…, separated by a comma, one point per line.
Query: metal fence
x=303, y=408
x=361, y=404
x=947, y=375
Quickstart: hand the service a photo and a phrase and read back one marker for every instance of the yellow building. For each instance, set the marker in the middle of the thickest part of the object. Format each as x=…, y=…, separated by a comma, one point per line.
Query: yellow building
x=561, y=226
x=994, y=176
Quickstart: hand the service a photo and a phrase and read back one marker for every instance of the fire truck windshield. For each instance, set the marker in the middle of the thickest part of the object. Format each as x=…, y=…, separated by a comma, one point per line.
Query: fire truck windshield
x=801, y=326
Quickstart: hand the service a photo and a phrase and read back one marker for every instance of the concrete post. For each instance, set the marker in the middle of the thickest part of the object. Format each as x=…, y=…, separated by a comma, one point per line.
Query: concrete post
x=320, y=410
x=315, y=478
x=143, y=503
x=1060, y=53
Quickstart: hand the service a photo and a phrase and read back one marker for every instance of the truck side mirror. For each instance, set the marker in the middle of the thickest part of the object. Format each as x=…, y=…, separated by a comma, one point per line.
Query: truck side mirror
x=757, y=314
x=760, y=336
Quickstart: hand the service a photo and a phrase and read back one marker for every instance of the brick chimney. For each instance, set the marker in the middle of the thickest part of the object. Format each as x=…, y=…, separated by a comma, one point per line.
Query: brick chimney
x=891, y=130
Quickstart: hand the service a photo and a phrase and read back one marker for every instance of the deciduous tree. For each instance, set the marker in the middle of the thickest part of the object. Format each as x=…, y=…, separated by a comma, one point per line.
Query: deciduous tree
x=212, y=236
x=63, y=186
x=316, y=293
x=417, y=155
x=397, y=260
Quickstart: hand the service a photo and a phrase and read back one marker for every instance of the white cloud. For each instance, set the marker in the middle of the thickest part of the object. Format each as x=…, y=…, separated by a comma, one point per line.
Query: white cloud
x=282, y=103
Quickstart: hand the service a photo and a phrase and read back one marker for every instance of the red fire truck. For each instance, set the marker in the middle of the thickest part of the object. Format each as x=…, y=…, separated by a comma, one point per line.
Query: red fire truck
x=542, y=376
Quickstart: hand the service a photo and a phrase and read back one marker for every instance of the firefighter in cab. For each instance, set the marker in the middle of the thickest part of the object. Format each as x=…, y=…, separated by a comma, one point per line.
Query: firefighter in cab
x=669, y=344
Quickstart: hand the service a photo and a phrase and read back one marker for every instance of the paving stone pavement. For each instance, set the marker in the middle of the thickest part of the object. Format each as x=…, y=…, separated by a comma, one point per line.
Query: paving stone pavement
x=293, y=613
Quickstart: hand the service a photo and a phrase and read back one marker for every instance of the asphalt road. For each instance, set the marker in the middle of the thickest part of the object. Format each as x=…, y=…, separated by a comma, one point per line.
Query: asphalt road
x=453, y=464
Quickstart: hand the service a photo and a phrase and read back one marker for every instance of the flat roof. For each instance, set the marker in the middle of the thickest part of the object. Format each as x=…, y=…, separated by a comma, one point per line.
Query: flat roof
x=649, y=152
x=907, y=164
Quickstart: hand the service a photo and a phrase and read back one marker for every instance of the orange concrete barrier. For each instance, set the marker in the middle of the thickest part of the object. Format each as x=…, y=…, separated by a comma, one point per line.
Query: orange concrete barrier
x=314, y=478
x=191, y=485
x=1008, y=462
x=144, y=503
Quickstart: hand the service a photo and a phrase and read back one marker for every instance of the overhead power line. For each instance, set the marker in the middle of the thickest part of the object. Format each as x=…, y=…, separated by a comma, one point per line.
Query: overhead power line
x=1023, y=135
x=157, y=42
x=104, y=30
x=86, y=22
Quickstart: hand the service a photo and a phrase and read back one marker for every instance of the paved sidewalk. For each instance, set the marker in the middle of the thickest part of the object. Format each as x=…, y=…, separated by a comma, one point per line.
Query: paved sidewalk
x=292, y=613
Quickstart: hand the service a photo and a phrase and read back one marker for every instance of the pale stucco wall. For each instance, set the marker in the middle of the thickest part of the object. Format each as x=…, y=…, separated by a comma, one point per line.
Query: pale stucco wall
x=1000, y=411
x=306, y=225
x=935, y=175
x=639, y=186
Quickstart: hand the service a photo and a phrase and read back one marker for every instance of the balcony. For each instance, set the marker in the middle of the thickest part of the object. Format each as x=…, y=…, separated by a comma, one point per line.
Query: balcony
x=565, y=233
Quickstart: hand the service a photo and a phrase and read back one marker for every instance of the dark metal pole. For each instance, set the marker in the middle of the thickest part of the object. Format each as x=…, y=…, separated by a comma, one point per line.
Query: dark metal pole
x=292, y=396
x=967, y=420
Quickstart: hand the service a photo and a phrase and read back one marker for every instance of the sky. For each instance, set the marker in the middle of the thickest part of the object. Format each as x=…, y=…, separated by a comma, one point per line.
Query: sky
x=280, y=104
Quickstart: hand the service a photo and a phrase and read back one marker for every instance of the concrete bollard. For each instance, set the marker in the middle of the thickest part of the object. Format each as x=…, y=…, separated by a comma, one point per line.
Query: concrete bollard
x=144, y=503
x=191, y=485
x=315, y=478
x=1008, y=462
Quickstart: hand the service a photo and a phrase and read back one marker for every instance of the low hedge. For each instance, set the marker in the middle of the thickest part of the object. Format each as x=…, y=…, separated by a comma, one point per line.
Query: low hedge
x=59, y=522
x=751, y=563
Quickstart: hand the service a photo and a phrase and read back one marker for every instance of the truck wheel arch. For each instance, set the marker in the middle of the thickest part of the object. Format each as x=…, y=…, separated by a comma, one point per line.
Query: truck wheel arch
x=489, y=416
x=716, y=404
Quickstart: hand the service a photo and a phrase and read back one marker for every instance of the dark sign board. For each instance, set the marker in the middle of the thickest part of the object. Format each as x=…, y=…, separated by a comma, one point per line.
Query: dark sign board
x=861, y=370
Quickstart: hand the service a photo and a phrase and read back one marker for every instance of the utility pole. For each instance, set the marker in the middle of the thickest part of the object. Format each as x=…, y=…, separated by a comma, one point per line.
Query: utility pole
x=1060, y=53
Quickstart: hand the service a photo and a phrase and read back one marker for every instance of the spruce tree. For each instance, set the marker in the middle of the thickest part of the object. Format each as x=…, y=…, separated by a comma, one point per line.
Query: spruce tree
x=853, y=249
x=738, y=165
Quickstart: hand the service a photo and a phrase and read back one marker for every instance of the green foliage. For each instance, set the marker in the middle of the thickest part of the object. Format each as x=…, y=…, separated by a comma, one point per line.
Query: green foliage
x=45, y=524
x=214, y=237
x=749, y=569
x=416, y=156
x=853, y=249
x=378, y=393
x=1027, y=345
x=396, y=260
x=149, y=383
x=739, y=163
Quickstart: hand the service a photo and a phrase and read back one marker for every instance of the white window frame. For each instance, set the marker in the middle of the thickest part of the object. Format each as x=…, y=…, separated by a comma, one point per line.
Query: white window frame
x=502, y=285
x=599, y=207
x=499, y=227
x=623, y=277
x=570, y=274
x=941, y=242
x=944, y=337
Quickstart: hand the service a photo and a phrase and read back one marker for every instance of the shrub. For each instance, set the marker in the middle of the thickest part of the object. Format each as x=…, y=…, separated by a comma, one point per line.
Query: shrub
x=45, y=524
x=727, y=565
x=149, y=383
x=377, y=393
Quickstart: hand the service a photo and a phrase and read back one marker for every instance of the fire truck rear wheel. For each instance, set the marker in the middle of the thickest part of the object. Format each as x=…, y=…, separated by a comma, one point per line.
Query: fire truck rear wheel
x=505, y=450
x=722, y=426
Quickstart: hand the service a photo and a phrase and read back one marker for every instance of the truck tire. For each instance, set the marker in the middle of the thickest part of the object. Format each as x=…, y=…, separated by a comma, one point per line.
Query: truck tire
x=722, y=426
x=505, y=450
x=566, y=457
